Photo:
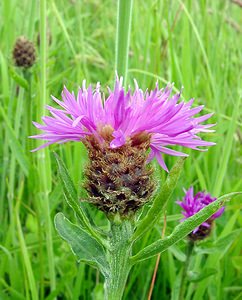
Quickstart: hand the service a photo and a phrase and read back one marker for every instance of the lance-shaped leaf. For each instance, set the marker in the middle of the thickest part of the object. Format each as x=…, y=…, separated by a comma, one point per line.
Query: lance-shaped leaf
x=19, y=79
x=72, y=200
x=83, y=245
x=221, y=245
x=198, y=276
x=182, y=230
x=155, y=212
x=14, y=144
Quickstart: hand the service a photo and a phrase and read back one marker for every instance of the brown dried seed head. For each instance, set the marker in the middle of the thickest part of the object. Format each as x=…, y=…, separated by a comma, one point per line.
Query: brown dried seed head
x=119, y=180
x=24, y=53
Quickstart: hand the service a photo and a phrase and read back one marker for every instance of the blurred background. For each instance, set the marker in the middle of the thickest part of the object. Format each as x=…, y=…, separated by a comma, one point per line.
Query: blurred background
x=195, y=44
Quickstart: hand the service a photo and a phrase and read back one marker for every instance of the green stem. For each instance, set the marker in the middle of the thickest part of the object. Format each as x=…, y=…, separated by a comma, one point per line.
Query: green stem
x=118, y=255
x=31, y=19
x=28, y=109
x=43, y=156
x=124, y=16
x=190, y=247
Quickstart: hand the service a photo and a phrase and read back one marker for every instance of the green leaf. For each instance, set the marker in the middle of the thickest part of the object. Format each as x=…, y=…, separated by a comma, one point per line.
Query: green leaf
x=18, y=79
x=198, y=276
x=179, y=255
x=221, y=245
x=155, y=212
x=66, y=180
x=83, y=245
x=237, y=262
x=70, y=192
x=176, y=286
x=72, y=200
x=15, y=146
x=98, y=291
x=182, y=230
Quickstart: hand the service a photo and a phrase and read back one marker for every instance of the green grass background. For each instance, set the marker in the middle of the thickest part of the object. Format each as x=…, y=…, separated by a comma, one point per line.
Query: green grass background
x=195, y=44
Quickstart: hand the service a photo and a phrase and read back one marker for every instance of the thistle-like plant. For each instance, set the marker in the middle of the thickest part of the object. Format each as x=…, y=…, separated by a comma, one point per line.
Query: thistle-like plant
x=122, y=134
x=192, y=204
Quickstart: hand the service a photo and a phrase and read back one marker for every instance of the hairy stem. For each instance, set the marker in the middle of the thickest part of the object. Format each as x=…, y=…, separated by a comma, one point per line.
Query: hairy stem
x=118, y=256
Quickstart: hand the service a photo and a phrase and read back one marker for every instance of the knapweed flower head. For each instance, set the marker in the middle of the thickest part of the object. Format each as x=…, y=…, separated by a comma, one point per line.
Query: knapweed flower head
x=163, y=118
x=123, y=133
x=24, y=53
x=191, y=204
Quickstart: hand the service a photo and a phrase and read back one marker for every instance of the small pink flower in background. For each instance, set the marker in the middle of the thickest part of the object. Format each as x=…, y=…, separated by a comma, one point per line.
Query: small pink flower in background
x=167, y=120
x=191, y=204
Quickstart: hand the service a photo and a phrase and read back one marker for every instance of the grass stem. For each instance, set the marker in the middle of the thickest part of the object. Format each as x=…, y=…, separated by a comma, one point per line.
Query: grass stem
x=124, y=17
x=43, y=156
x=190, y=247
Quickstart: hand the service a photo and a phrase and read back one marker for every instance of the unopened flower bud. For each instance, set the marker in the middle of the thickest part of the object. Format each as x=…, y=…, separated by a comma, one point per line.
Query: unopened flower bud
x=24, y=53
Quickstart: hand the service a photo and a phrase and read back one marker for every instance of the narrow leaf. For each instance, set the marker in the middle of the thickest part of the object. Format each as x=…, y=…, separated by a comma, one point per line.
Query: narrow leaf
x=179, y=255
x=198, y=276
x=220, y=246
x=70, y=192
x=176, y=286
x=83, y=245
x=160, y=201
x=15, y=145
x=18, y=79
x=65, y=178
x=182, y=230
x=72, y=199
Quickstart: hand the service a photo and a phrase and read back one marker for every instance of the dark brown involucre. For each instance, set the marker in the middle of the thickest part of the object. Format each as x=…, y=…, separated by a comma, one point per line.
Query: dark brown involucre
x=118, y=180
x=24, y=53
x=202, y=232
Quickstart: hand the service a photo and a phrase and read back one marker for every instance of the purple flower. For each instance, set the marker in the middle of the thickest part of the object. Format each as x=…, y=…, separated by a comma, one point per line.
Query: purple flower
x=192, y=204
x=167, y=120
